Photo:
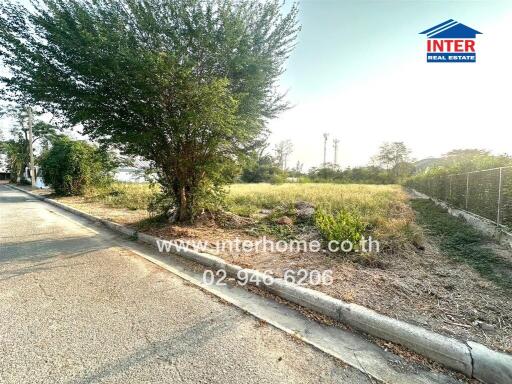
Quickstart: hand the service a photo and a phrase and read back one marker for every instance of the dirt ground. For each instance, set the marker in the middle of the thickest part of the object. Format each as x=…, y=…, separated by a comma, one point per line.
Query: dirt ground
x=119, y=215
x=423, y=287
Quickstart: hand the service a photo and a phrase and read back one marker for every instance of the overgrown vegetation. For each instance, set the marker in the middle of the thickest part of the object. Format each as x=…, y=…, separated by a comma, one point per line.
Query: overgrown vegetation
x=383, y=208
x=457, y=162
x=70, y=167
x=132, y=196
x=460, y=161
x=379, y=210
x=463, y=243
x=469, y=179
x=340, y=226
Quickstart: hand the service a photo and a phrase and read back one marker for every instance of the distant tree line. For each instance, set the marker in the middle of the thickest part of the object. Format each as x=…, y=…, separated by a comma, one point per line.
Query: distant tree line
x=358, y=175
x=392, y=164
x=459, y=161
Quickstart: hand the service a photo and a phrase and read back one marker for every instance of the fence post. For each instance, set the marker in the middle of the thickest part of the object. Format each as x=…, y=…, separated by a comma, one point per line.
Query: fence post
x=498, y=218
x=467, y=190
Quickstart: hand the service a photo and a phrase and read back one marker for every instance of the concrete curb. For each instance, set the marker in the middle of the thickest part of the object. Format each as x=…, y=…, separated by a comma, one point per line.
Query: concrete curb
x=490, y=366
x=472, y=359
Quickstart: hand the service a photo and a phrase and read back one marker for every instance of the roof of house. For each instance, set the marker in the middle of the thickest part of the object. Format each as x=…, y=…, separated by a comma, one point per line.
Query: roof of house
x=451, y=29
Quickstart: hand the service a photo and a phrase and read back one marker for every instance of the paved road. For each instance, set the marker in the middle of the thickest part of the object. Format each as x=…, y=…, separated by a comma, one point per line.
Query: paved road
x=75, y=307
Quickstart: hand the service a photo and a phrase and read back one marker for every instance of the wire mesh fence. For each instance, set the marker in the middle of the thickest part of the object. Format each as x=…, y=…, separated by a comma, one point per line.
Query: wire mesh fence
x=486, y=193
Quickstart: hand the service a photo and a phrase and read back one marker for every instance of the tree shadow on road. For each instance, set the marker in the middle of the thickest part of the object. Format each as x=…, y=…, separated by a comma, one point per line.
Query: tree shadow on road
x=41, y=254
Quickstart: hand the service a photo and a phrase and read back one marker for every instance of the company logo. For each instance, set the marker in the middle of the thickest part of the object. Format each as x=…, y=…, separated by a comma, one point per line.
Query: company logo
x=451, y=42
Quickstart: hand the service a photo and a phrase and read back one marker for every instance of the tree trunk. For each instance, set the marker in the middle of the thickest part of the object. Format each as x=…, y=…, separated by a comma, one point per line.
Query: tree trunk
x=185, y=208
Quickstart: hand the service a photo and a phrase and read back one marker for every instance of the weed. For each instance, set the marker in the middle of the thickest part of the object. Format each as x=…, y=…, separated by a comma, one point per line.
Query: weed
x=123, y=195
x=383, y=208
x=463, y=243
x=340, y=226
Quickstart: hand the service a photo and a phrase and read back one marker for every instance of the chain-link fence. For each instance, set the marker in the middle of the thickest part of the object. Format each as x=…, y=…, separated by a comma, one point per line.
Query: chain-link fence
x=486, y=193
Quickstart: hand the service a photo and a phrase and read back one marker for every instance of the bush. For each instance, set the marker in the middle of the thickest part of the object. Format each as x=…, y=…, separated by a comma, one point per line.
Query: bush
x=132, y=196
x=278, y=179
x=340, y=226
x=69, y=167
x=260, y=170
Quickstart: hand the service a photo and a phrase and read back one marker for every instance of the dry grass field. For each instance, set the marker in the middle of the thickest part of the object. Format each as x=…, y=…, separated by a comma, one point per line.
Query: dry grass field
x=382, y=209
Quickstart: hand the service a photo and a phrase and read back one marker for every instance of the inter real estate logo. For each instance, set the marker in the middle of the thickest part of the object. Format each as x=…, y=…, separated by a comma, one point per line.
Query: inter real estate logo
x=451, y=42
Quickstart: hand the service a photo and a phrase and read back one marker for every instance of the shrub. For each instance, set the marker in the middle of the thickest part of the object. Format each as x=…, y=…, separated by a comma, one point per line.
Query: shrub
x=278, y=179
x=132, y=196
x=340, y=226
x=69, y=167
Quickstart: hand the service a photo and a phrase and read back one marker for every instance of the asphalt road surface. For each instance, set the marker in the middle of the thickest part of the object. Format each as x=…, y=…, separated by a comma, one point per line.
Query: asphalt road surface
x=75, y=307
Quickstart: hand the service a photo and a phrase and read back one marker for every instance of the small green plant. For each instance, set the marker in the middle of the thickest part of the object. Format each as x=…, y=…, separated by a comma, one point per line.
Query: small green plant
x=340, y=226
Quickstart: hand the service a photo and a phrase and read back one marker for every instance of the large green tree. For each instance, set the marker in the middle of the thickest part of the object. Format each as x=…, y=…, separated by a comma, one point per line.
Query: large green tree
x=186, y=84
x=395, y=158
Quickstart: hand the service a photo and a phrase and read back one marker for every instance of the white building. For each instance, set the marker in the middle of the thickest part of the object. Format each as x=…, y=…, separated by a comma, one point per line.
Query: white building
x=130, y=175
x=39, y=178
x=3, y=163
x=4, y=172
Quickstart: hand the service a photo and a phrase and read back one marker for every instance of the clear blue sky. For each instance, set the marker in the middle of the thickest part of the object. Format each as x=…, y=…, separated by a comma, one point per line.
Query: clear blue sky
x=356, y=59
x=345, y=40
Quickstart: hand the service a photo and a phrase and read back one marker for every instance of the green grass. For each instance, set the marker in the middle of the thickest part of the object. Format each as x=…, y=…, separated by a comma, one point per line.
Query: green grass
x=365, y=199
x=383, y=209
x=463, y=243
x=123, y=195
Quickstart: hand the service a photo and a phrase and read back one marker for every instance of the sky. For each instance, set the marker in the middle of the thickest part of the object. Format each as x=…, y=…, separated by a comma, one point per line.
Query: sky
x=359, y=73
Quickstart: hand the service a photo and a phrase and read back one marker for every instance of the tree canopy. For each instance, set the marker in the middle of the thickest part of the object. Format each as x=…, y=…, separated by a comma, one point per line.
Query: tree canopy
x=185, y=84
x=395, y=157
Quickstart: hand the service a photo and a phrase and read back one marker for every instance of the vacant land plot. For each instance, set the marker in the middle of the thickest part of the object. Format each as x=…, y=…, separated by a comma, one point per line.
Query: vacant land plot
x=433, y=269
x=382, y=209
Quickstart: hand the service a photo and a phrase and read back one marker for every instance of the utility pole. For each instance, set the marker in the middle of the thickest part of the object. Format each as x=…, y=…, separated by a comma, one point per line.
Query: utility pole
x=30, y=148
x=326, y=136
x=336, y=141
